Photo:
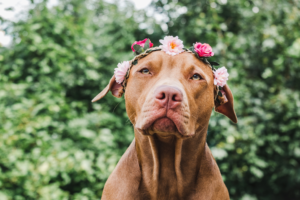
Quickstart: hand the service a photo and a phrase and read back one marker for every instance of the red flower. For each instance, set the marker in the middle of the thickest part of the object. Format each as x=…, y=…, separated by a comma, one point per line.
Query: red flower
x=203, y=50
x=141, y=43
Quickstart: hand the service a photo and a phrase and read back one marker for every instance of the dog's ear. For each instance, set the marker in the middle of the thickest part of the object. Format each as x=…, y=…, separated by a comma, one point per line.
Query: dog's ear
x=115, y=88
x=227, y=108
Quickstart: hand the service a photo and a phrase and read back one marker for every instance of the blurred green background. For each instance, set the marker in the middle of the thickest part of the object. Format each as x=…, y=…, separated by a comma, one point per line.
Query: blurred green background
x=55, y=144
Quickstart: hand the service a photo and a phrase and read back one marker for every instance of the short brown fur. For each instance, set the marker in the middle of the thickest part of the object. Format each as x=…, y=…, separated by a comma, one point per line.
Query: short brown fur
x=173, y=164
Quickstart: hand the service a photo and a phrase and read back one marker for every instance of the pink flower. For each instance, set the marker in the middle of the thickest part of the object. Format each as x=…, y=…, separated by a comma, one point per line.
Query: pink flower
x=141, y=43
x=121, y=71
x=203, y=50
x=221, y=76
x=172, y=45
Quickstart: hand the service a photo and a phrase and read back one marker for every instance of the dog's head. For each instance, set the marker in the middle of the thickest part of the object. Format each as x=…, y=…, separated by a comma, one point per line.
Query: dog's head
x=170, y=95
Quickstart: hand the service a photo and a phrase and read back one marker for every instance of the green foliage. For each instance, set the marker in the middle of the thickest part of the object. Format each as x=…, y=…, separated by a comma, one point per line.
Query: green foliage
x=56, y=144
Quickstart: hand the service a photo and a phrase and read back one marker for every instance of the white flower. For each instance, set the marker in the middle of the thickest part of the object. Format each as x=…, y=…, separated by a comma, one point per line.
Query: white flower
x=221, y=76
x=121, y=70
x=172, y=45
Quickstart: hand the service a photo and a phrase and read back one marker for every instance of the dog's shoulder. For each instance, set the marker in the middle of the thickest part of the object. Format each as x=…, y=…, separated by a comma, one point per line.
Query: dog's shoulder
x=124, y=181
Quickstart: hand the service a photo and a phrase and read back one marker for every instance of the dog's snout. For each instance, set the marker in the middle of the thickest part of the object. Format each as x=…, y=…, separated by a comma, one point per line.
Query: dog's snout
x=168, y=96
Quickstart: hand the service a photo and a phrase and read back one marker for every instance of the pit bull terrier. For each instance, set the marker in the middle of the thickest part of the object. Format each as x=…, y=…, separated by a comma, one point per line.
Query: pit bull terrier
x=169, y=100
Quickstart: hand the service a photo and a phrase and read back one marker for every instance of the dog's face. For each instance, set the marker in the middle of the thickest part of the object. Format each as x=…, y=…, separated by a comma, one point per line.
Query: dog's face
x=170, y=95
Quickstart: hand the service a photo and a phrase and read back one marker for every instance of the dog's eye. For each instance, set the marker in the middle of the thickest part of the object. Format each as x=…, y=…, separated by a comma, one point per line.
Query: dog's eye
x=145, y=71
x=196, y=77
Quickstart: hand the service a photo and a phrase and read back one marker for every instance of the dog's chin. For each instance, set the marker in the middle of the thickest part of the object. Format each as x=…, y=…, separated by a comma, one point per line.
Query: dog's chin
x=164, y=126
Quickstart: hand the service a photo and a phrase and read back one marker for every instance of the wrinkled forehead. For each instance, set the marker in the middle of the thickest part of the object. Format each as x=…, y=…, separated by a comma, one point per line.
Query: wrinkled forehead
x=184, y=61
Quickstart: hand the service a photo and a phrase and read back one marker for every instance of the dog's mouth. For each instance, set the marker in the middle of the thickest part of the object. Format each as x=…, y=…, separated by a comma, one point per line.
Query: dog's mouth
x=165, y=124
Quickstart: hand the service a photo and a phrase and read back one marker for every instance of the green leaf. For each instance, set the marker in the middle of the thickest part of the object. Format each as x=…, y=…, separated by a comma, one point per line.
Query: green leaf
x=137, y=48
x=214, y=63
x=147, y=44
x=135, y=62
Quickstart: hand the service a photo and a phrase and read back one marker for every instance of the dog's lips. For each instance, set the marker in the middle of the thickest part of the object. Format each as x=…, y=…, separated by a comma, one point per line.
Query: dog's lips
x=167, y=121
x=164, y=125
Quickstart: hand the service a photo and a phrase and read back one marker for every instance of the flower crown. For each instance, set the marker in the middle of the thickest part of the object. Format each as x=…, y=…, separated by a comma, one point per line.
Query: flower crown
x=173, y=46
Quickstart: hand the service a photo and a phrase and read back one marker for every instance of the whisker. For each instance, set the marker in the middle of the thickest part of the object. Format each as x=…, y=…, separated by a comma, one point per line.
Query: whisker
x=116, y=107
x=129, y=119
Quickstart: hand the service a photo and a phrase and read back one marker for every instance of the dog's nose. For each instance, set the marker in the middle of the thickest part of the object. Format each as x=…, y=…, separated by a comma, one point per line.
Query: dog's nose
x=168, y=96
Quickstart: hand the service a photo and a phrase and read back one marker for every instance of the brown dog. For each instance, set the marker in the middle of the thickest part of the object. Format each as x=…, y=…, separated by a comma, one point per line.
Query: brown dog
x=169, y=100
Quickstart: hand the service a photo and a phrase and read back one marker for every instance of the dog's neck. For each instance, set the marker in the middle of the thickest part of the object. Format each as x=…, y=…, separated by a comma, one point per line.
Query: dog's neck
x=170, y=163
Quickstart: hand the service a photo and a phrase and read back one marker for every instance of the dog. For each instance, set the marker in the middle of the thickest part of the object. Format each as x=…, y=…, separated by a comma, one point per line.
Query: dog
x=169, y=100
